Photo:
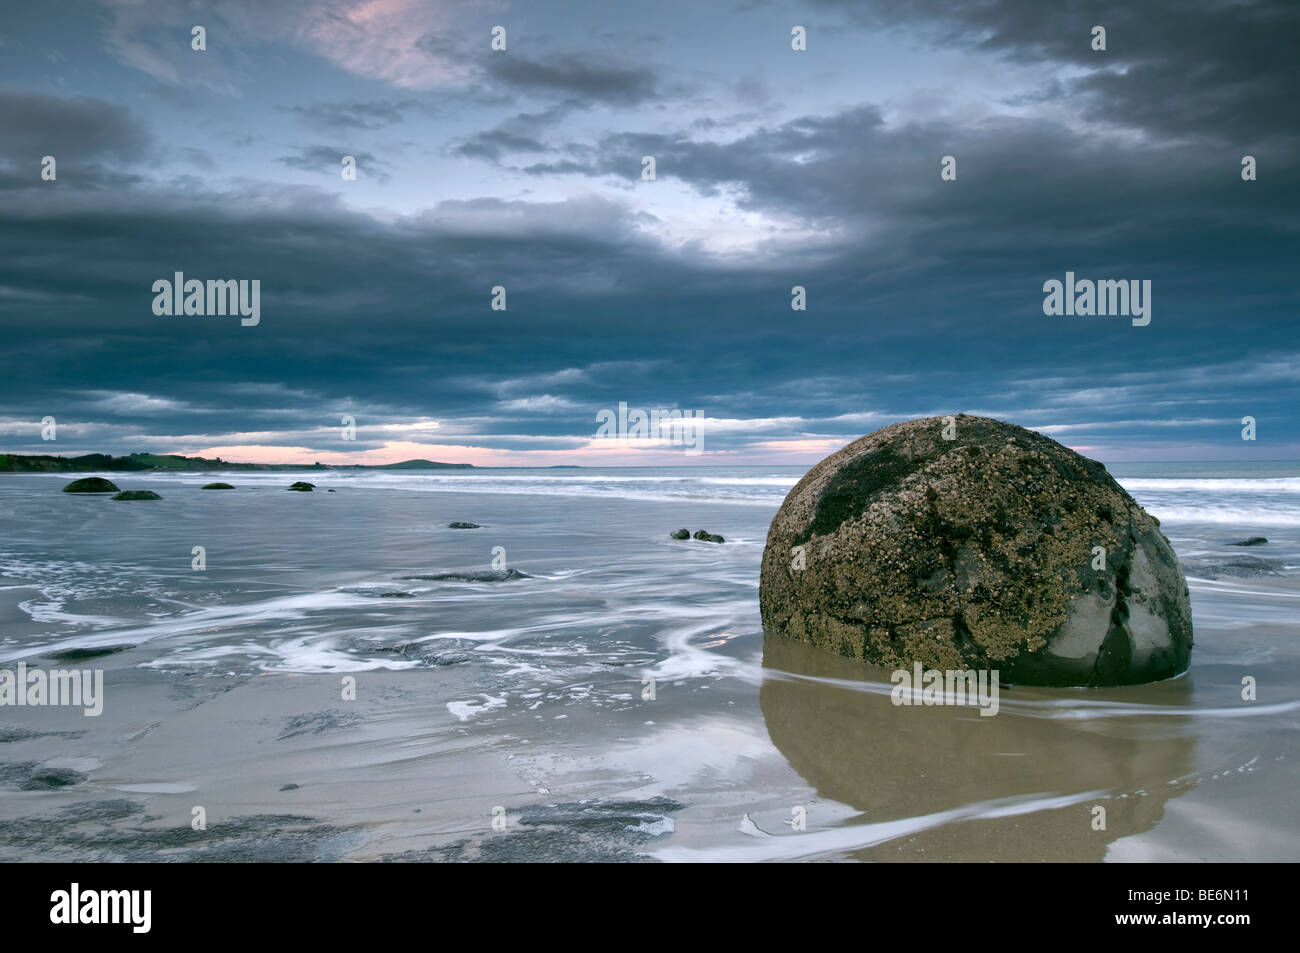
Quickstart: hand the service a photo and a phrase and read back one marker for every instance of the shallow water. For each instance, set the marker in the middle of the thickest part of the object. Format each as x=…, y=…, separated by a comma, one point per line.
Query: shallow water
x=527, y=693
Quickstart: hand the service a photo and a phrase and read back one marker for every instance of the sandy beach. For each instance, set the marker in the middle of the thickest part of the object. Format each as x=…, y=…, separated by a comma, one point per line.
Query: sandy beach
x=523, y=702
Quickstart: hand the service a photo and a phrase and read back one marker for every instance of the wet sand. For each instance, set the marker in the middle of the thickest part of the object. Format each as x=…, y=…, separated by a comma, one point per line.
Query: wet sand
x=526, y=696
x=287, y=770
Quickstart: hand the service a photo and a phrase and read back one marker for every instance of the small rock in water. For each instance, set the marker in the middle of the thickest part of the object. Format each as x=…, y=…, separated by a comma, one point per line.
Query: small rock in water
x=137, y=495
x=302, y=486
x=318, y=722
x=1242, y=566
x=463, y=526
x=289, y=787
x=81, y=655
x=1252, y=541
x=91, y=485
x=218, y=486
x=681, y=534
x=706, y=536
x=374, y=592
x=487, y=575
x=46, y=779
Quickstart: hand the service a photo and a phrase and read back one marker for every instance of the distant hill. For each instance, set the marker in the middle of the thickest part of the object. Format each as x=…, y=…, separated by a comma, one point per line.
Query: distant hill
x=40, y=463
x=421, y=465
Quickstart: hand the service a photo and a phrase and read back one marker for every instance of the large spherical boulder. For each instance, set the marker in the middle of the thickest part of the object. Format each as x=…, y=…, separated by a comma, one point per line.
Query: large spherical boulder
x=995, y=549
x=91, y=485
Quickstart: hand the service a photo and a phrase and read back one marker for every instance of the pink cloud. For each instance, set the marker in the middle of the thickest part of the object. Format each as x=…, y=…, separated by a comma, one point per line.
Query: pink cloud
x=597, y=453
x=821, y=446
x=377, y=38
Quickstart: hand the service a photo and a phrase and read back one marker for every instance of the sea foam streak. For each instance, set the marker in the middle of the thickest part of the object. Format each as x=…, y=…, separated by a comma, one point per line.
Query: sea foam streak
x=859, y=836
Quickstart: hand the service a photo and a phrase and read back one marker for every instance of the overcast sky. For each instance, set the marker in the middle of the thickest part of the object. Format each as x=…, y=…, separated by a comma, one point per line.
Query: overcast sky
x=522, y=168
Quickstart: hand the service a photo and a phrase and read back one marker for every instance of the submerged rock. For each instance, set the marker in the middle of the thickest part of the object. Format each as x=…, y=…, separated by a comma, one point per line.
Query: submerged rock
x=81, y=655
x=32, y=776
x=47, y=779
x=91, y=485
x=1240, y=566
x=681, y=534
x=425, y=654
x=375, y=592
x=302, y=486
x=318, y=722
x=487, y=575
x=1253, y=541
x=463, y=526
x=218, y=486
x=137, y=495
x=998, y=549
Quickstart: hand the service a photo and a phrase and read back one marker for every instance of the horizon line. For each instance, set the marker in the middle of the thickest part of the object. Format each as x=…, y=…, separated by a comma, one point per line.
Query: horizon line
x=439, y=464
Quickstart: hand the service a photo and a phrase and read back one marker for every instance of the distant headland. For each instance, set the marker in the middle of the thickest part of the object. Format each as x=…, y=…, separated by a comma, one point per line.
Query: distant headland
x=41, y=463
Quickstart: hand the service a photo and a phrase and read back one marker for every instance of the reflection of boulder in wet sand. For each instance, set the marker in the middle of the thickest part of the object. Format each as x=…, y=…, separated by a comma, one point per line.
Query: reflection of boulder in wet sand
x=893, y=762
x=970, y=542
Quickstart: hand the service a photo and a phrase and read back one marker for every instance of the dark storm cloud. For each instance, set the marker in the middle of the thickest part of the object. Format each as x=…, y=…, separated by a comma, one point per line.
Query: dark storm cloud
x=387, y=320
x=520, y=133
x=80, y=128
x=560, y=167
x=924, y=296
x=90, y=139
x=359, y=318
x=1203, y=70
x=1028, y=190
x=496, y=143
x=587, y=76
x=358, y=307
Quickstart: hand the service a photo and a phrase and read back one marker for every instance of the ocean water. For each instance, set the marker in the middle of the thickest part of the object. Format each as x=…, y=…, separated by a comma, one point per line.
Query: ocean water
x=750, y=748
